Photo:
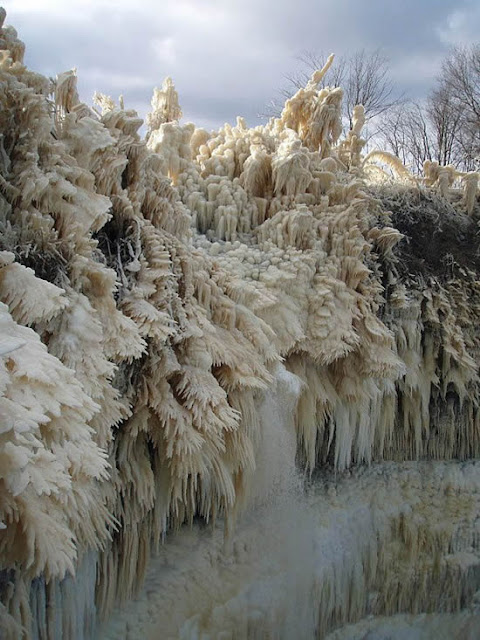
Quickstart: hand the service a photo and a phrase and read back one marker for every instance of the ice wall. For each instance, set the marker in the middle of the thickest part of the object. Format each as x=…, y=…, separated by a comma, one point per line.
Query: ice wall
x=195, y=324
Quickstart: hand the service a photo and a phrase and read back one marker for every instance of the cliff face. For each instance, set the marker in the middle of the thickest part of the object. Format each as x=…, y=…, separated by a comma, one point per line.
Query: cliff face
x=150, y=290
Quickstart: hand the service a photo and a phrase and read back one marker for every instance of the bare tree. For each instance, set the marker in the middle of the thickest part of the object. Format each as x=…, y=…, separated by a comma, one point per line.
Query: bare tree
x=367, y=82
x=446, y=126
x=406, y=132
x=460, y=78
x=364, y=77
x=444, y=118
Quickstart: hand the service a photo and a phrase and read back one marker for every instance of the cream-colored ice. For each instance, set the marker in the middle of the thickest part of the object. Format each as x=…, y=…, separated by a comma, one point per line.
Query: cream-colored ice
x=191, y=323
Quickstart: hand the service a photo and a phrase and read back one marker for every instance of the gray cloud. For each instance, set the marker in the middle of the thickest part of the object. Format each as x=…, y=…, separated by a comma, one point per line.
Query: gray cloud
x=229, y=57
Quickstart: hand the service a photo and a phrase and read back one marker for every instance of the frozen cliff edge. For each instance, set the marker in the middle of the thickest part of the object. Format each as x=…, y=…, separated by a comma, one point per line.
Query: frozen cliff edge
x=155, y=295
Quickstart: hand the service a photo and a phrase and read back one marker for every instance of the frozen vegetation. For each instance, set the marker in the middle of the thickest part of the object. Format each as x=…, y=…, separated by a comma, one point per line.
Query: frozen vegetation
x=239, y=375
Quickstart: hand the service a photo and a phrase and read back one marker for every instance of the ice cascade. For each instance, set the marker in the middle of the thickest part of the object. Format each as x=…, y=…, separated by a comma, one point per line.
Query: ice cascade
x=238, y=372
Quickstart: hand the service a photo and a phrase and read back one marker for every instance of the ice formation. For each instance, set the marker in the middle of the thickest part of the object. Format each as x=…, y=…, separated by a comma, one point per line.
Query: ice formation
x=189, y=323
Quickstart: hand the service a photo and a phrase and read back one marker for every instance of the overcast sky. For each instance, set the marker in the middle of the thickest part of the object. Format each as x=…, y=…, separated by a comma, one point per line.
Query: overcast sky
x=230, y=57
